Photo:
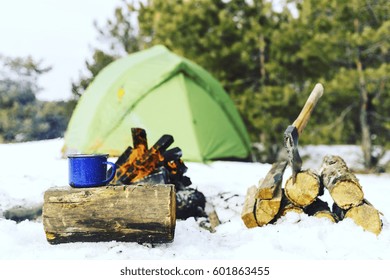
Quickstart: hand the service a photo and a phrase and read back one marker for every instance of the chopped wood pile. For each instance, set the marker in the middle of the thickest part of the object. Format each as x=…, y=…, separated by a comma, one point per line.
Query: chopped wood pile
x=159, y=165
x=267, y=202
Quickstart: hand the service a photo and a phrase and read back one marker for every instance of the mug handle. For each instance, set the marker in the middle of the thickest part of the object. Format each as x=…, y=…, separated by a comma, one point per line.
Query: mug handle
x=113, y=165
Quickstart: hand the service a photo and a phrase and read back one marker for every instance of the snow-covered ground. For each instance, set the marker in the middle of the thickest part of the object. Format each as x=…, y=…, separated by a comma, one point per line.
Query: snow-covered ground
x=29, y=169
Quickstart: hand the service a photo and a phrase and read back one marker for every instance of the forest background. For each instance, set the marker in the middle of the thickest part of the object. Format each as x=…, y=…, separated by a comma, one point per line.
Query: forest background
x=268, y=61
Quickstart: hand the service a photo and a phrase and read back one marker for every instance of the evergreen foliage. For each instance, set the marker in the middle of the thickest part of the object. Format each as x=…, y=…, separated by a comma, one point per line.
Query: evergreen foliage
x=22, y=116
x=269, y=61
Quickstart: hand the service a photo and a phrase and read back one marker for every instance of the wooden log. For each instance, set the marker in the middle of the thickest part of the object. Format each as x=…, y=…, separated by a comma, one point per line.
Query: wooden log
x=247, y=213
x=287, y=206
x=342, y=184
x=272, y=181
x=267, y=209
x=23, y=212
x=305, y=189
x=320, y=209
x=327, y=215
x=211, y=222
x=190, y=203
x=364, y=215
x=123, y=213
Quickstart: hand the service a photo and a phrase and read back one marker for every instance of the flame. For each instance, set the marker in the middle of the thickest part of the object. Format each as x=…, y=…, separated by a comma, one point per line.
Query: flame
x=172, y=166
x=141, y=163
x=145, y=163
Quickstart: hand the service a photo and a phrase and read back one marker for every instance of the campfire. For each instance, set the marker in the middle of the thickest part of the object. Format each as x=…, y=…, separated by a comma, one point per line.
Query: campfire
x=141, y=204
x=159, y=165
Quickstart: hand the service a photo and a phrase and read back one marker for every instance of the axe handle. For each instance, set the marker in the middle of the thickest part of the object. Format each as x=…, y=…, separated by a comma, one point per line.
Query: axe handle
x=311, y=102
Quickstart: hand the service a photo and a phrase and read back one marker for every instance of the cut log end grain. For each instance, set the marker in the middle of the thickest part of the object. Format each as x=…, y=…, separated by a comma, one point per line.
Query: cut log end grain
x=326, y=215
x=366, y=216
x=305, y=189
x=248, y=214
x=347, y=194
x=267, y=209
x=287, y=206
x=290, y=208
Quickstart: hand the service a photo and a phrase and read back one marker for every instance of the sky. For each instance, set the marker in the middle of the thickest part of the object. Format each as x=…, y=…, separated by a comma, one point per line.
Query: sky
x=60, y=33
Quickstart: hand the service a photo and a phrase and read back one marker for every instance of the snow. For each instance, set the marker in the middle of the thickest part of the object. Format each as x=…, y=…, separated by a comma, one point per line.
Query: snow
x=29, y=169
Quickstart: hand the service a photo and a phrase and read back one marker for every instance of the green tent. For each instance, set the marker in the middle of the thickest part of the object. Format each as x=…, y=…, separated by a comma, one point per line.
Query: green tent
x=164, y=94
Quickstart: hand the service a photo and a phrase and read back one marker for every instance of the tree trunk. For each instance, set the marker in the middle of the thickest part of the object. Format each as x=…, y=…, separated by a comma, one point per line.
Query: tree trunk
x=364, y=100
x=262, y=58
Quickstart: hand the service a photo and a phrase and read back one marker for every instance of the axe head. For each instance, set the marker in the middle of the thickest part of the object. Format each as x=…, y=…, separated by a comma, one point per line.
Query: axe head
x=291, y=144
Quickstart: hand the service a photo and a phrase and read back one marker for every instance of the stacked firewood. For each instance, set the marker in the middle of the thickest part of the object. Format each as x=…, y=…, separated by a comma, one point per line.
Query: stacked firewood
x=269, y=201
x=159, y=165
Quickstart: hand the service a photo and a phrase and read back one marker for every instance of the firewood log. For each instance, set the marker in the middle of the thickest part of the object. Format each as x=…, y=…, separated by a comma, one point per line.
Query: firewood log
x=122, y=213
x=272, y=181
x=287, y=206
x=342, y=184
x=305, y=189
x=267, y=209
x=364, y=215
x=247, y=213
x=320, y=209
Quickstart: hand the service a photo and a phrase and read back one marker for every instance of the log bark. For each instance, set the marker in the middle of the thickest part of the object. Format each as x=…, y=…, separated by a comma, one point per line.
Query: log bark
x=364, y=215
x=305, y=189
x=267, y=209
x=342, y=184
x=247, y=213
x=122, y=213
x=272, y=181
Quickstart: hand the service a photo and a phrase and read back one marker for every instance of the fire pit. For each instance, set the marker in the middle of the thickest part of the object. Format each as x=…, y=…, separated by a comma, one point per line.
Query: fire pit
x=141, y=204
x=159, y=165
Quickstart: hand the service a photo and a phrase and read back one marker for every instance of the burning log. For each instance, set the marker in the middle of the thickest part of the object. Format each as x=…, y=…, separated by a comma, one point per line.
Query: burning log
x=342, y=184
x=137, y=163
x=141, y=161
x=305, y=189
x=158, y=165
x=364, y=215
x=122, y=213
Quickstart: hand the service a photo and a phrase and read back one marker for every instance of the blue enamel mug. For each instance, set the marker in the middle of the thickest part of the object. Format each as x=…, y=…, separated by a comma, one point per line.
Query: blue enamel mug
x=89, y=170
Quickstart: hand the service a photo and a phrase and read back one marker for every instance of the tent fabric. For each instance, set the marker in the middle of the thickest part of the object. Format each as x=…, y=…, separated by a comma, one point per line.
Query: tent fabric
x=162, y=93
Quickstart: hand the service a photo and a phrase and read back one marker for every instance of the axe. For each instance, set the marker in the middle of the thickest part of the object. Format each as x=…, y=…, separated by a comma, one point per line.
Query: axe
x=293, y=131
